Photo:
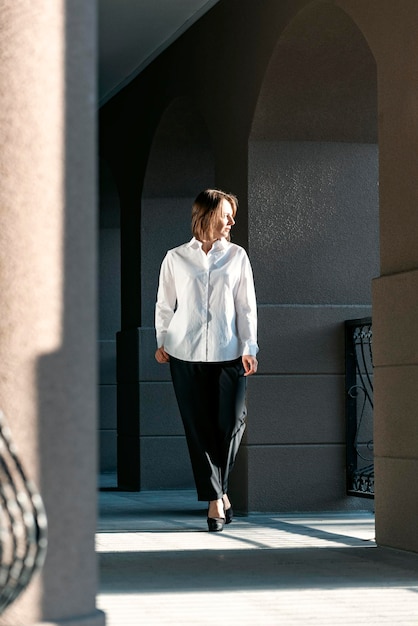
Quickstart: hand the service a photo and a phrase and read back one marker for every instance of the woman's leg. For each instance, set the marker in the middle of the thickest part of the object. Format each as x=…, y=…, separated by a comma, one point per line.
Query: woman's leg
x=211, y=400
x=231, y=416
x=193, y=386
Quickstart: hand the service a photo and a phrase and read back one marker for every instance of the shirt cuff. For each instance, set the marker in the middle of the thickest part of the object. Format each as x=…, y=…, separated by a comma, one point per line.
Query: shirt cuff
x=160, y=339
x=250, y=348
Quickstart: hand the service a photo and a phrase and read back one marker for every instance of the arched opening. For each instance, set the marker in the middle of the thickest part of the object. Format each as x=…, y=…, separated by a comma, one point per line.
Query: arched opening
x=180, y=165
x=313, y=236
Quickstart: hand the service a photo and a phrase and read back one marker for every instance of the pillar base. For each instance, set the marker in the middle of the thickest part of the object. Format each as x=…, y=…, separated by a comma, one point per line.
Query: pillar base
x=98, y=618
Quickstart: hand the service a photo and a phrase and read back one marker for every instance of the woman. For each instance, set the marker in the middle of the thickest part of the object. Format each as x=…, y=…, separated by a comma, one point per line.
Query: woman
x=206, y=328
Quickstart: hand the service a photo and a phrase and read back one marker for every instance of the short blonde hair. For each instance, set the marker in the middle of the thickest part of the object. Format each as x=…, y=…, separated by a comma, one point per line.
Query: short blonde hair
x=206, y=209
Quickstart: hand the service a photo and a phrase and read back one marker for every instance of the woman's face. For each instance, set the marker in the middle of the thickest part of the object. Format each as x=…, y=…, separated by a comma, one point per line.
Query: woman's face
x=224, y=222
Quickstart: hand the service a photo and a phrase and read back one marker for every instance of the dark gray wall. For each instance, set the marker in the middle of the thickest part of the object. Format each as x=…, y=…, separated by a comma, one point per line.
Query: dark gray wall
x=109, y=315
x=313, y=216
x=180, y=164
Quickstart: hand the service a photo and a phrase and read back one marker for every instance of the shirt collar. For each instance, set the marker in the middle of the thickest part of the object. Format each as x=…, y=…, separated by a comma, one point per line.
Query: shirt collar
x=219, y=244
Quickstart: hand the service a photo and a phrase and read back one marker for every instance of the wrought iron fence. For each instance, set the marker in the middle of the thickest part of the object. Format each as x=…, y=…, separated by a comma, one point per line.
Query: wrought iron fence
x=23, y=525
x=359, y=407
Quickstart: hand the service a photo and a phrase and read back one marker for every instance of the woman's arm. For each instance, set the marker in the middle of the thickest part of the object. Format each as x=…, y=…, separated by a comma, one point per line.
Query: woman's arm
x=165, y=307
x=246, y=311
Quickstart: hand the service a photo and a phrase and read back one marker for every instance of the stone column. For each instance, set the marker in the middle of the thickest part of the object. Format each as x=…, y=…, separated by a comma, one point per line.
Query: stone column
x=47, y=285
x=395, y=296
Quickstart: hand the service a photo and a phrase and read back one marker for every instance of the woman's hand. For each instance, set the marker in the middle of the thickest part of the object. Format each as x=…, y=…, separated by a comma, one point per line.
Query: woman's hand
x=250, y=364
x=162, y=356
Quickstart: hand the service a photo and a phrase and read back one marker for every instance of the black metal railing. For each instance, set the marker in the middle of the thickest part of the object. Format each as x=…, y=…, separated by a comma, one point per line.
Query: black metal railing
x=23, y=524
x=359, y=407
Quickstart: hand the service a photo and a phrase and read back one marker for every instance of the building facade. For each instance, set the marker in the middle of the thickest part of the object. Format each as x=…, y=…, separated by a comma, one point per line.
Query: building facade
x=307, y=111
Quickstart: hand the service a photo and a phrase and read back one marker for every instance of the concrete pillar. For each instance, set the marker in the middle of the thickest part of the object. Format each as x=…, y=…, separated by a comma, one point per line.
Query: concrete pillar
x=390, y=30
x=48, y=293
x=395, y=294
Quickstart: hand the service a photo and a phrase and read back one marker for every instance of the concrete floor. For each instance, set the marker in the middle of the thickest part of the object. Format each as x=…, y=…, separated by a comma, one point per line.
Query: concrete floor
x=159, y=565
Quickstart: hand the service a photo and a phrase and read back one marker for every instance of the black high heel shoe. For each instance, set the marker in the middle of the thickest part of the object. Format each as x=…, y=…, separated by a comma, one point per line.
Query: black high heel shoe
x=216, y=524
x=229, y=515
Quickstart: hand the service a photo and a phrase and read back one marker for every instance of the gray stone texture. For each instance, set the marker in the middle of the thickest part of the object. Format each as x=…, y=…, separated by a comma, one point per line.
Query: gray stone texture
x=300, y=477
x=107, y=362
x=107, y=404
x=313, y=221
x=165, y=225
x=165, y=463
x=313, y=242
x=159, y=413
x=107, y=399
x=296, y=339
x=291, y=410
x=109, y=314
x=107, y=450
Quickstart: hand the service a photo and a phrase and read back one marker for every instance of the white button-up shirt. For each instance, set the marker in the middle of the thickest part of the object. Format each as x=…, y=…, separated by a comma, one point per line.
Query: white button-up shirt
x=206, y=308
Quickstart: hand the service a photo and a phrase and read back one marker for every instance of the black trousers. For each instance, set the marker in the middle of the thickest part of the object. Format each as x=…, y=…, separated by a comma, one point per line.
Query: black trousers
x=211, y=400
